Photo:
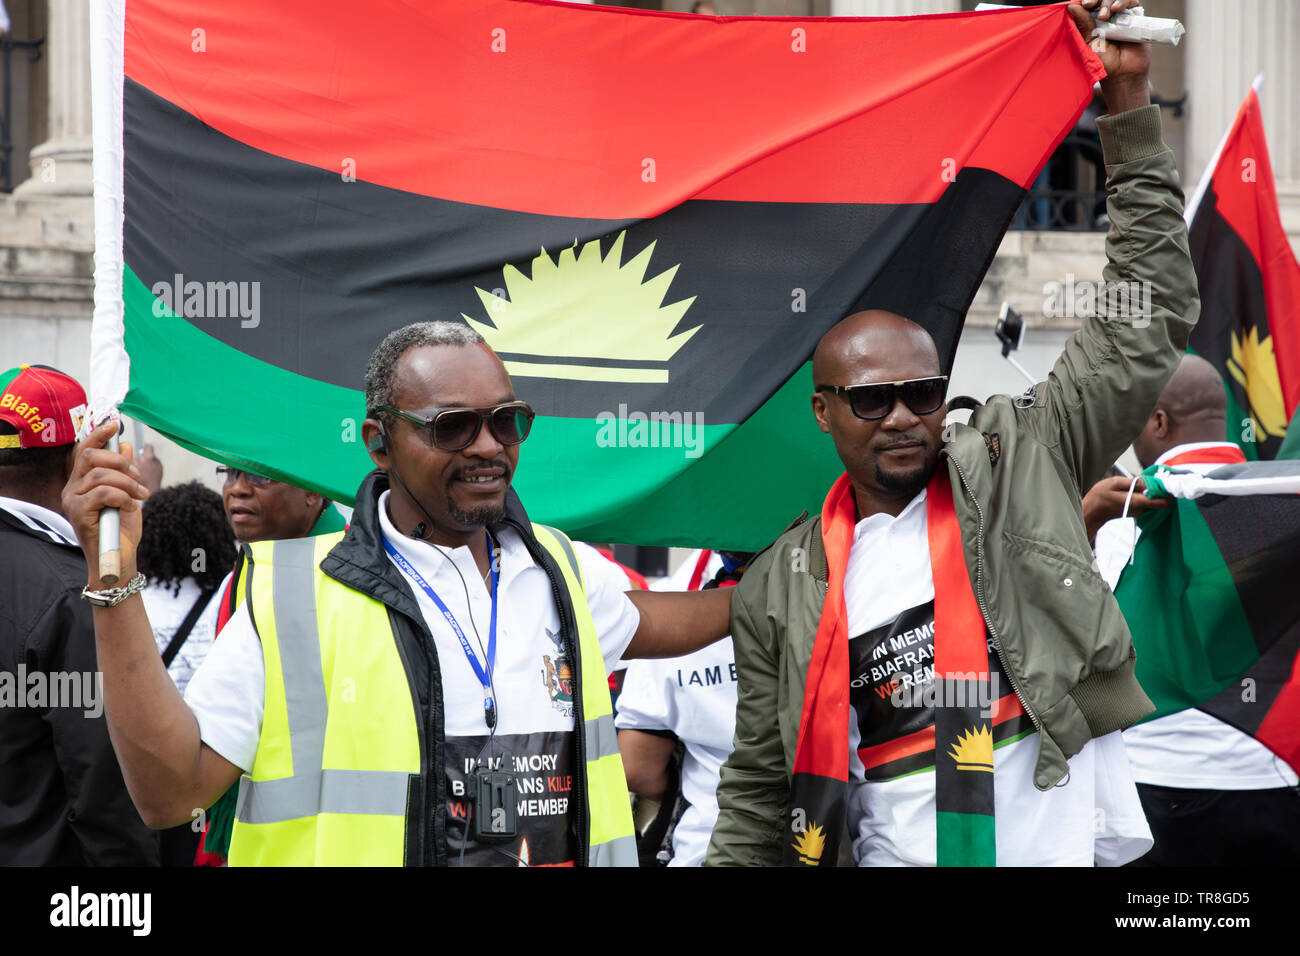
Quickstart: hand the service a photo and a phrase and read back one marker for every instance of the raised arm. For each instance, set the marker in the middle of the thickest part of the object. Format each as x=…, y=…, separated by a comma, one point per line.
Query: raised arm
x=1104, y=385
x=168, y=771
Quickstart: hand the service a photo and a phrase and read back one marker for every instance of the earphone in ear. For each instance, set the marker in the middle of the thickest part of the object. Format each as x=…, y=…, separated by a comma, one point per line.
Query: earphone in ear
x=380, y=442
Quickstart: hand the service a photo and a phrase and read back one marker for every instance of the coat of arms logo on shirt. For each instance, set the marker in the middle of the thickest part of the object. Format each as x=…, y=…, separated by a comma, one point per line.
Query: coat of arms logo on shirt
x=557, y=675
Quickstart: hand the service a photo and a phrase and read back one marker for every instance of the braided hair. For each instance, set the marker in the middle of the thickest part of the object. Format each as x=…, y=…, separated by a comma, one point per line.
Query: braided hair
x=185, y=528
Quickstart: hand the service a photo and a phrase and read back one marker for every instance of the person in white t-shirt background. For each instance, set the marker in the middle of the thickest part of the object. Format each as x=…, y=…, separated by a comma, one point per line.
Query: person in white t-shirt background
x=691, y=699
x=186, y=551
x=1212, y=794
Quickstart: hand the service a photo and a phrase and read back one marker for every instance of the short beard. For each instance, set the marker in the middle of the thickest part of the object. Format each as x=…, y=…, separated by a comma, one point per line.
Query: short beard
x=907, y=483
x=482, y=516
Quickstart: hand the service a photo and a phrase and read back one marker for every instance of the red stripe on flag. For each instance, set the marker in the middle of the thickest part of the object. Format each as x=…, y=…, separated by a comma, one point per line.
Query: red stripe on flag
x=604, y=113
x=1247, y=201
x=1279, y=731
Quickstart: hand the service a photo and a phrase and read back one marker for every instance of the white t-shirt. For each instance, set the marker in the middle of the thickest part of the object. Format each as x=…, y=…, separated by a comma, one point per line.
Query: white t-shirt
x=693, y=697
x=1093, y=817
x=167, y=610
x=1189, y=749
x=531, y=678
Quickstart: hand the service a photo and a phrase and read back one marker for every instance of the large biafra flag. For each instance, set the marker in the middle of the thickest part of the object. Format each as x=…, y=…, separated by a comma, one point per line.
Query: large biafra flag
x=651, y=217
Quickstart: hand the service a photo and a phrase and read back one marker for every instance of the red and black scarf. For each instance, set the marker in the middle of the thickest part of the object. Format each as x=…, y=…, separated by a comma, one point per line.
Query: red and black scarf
x=963, y=738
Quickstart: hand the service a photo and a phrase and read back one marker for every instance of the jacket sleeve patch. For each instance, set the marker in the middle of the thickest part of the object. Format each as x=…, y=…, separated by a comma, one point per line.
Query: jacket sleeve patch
x=994, y=443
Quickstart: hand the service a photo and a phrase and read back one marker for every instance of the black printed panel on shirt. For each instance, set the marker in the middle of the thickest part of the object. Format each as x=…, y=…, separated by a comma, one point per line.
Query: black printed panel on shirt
x=891, y=667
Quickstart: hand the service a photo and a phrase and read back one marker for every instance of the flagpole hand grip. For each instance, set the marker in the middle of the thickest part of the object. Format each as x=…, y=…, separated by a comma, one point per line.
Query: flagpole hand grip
x=110, y=539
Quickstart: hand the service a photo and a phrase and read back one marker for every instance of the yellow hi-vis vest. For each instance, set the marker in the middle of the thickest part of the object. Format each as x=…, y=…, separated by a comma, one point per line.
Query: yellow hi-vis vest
x=339, y=751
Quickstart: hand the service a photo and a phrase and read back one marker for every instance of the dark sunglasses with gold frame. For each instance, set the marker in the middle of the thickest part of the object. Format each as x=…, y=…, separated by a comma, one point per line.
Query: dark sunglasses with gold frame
x=873, y=401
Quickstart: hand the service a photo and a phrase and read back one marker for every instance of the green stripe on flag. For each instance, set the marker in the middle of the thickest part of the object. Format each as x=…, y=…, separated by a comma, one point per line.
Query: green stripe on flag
x=212, y=399
x=1190, y=631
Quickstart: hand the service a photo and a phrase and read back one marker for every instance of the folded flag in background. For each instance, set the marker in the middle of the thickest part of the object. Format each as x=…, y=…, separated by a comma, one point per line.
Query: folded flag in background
x=1211, y=599
x=653, y=261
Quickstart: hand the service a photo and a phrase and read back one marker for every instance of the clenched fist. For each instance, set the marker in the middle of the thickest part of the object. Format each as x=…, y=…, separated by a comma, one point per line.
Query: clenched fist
x=104, y=479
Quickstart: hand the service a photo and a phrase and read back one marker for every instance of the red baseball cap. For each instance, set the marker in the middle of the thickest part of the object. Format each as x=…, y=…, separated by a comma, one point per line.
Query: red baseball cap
x=44, y=405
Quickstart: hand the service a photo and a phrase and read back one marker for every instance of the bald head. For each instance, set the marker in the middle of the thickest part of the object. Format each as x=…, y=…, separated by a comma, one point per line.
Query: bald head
x=877, y=340
x=1195, y=389
x=1192, y=408
x=891, y=457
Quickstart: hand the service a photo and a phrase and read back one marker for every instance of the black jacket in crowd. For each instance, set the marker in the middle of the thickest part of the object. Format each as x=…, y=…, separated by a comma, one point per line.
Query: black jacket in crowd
x=62, y=798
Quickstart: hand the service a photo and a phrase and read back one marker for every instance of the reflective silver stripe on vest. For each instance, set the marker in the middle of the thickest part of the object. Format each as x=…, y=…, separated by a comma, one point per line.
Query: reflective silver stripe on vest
x=568, y=550
x=329, y=791
x=617, y=852
x=602, y=741
x=311, y=790
x=600, y=736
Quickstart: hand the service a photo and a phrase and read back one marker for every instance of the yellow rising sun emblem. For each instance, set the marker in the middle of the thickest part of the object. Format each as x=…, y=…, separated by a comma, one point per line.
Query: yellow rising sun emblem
x=974, y=749
x=1255, y=369
x=591, y=311
x=809, y=845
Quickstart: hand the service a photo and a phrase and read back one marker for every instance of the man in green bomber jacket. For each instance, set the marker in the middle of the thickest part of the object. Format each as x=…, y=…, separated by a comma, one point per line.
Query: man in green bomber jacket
x=973, y=533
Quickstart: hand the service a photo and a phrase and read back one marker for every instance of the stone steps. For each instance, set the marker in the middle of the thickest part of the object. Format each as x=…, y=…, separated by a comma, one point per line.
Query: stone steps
x=1026, y=261
x=46, y=255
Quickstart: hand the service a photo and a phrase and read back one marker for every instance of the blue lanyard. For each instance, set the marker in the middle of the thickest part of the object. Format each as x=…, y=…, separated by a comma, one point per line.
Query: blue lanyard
x=484, y=676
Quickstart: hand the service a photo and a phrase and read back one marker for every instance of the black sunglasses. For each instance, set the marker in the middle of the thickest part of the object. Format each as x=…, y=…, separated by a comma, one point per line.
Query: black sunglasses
x=452, y=429
x=229, y=476
x=874, y=401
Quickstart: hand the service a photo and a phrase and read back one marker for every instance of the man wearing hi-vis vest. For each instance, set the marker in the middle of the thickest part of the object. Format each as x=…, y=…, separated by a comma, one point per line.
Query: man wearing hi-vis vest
x=425, y=688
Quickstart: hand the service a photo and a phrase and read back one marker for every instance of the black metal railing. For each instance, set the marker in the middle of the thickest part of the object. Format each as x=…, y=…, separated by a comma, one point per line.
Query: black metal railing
x=1063, y=210
x=33, y=52
x=1069, y=194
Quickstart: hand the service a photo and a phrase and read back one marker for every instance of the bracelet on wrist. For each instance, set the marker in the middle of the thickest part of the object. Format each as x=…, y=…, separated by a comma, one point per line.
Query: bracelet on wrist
x=112, y=597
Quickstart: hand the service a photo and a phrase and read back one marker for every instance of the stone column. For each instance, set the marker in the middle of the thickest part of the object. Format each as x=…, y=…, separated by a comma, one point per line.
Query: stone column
x=61, y=165
x=1227, y=45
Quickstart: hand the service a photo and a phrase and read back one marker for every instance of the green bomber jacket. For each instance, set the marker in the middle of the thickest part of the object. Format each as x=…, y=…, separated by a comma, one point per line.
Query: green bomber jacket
x=1018, y=470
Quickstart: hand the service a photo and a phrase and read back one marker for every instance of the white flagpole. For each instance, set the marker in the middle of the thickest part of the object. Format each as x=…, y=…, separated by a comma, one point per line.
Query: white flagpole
x=109, y=365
